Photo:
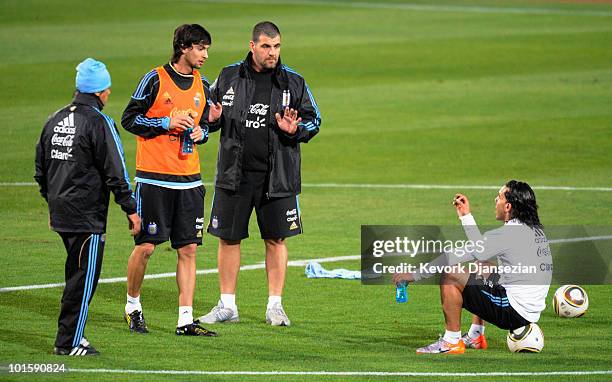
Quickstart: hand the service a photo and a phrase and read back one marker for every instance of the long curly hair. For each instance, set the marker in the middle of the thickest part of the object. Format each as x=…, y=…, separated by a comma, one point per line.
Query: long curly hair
x=523, y=201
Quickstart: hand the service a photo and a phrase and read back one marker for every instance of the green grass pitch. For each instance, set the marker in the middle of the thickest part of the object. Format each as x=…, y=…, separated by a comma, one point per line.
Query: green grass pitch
x=469, y=92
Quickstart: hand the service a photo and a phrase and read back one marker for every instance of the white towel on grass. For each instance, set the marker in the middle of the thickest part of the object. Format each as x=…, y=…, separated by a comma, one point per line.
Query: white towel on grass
x=315, y=270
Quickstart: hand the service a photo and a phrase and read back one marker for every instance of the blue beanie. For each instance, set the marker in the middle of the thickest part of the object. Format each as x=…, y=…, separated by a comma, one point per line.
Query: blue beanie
x=92, y=76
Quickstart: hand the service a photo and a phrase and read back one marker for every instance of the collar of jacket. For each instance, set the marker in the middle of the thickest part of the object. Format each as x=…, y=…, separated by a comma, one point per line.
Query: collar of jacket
x=88, y=99
x=279, y=77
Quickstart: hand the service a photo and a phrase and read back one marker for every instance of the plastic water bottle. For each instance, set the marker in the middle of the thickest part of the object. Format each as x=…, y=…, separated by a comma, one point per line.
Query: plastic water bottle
x=401, y=292
x=187, y=142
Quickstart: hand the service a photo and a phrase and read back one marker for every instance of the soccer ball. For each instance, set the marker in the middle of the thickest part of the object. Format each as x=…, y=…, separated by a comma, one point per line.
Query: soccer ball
x=528, y=339
x=570, y=301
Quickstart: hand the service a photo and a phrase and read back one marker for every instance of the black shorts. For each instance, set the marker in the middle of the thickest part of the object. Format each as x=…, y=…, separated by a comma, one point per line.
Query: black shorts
x=277, y=218
x=488, y=300
x=167, y=213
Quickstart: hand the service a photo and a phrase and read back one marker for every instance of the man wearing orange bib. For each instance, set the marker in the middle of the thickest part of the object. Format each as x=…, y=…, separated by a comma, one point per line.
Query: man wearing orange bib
x=169, y=111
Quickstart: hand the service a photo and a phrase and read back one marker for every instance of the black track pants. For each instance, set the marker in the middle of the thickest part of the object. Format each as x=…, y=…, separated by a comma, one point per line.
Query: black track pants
x=83, y=266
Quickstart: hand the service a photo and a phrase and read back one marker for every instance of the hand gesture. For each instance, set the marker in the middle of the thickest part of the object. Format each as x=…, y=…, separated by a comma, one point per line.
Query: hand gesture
x=289, y=121
x=182, y=122
x=134, y=224
x=462, y=204
x=215, y=112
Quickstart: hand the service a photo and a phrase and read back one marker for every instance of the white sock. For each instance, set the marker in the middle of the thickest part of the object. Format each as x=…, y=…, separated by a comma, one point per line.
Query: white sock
x=133, y=303
x=185, y=316
x=452, y=337
x=273, y=300
x=476, y=331
x=229, y=301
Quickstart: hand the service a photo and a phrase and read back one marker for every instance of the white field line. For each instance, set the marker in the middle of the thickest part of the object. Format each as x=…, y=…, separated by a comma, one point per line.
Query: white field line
x=579, y=239
x=447, y=187
x=292, y=263
x=347, y=373
x=430, y=8
x=408, y=186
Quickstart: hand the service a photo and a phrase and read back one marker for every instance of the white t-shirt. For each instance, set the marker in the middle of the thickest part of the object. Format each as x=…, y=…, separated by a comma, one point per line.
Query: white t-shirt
x=515, y=245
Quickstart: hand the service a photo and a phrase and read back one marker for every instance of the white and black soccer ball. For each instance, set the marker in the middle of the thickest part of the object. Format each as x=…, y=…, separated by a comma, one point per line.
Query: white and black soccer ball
x=528, y=339
x=570, y=301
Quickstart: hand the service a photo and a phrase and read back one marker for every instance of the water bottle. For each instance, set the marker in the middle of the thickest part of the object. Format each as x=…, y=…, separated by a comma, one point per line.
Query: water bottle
x=186, y=142
x=401, y=292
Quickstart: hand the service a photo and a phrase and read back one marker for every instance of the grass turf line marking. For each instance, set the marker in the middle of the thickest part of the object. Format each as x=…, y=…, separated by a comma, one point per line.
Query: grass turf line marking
x=447, y=187
x=292, y=263
x=398, y=186
x=579, y=239
x=348, y=373
x=262, y=265
x=429, y=8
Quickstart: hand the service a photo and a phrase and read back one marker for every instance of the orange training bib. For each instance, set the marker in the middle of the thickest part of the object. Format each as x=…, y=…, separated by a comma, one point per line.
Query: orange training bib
x=162, y=154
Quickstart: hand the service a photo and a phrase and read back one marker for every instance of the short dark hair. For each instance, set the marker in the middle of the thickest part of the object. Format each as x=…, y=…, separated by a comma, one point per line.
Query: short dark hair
x=186, y=36
x=265, y=27
x=523, y=201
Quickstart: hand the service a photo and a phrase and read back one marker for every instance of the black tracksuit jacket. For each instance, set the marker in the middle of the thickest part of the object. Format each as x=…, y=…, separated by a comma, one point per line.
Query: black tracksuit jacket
x=234, y=88
x=79, y=161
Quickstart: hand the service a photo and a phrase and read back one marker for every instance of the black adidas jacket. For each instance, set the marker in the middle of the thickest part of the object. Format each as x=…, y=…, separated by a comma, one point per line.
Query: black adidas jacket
x=234, y=88
x=79, y=161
